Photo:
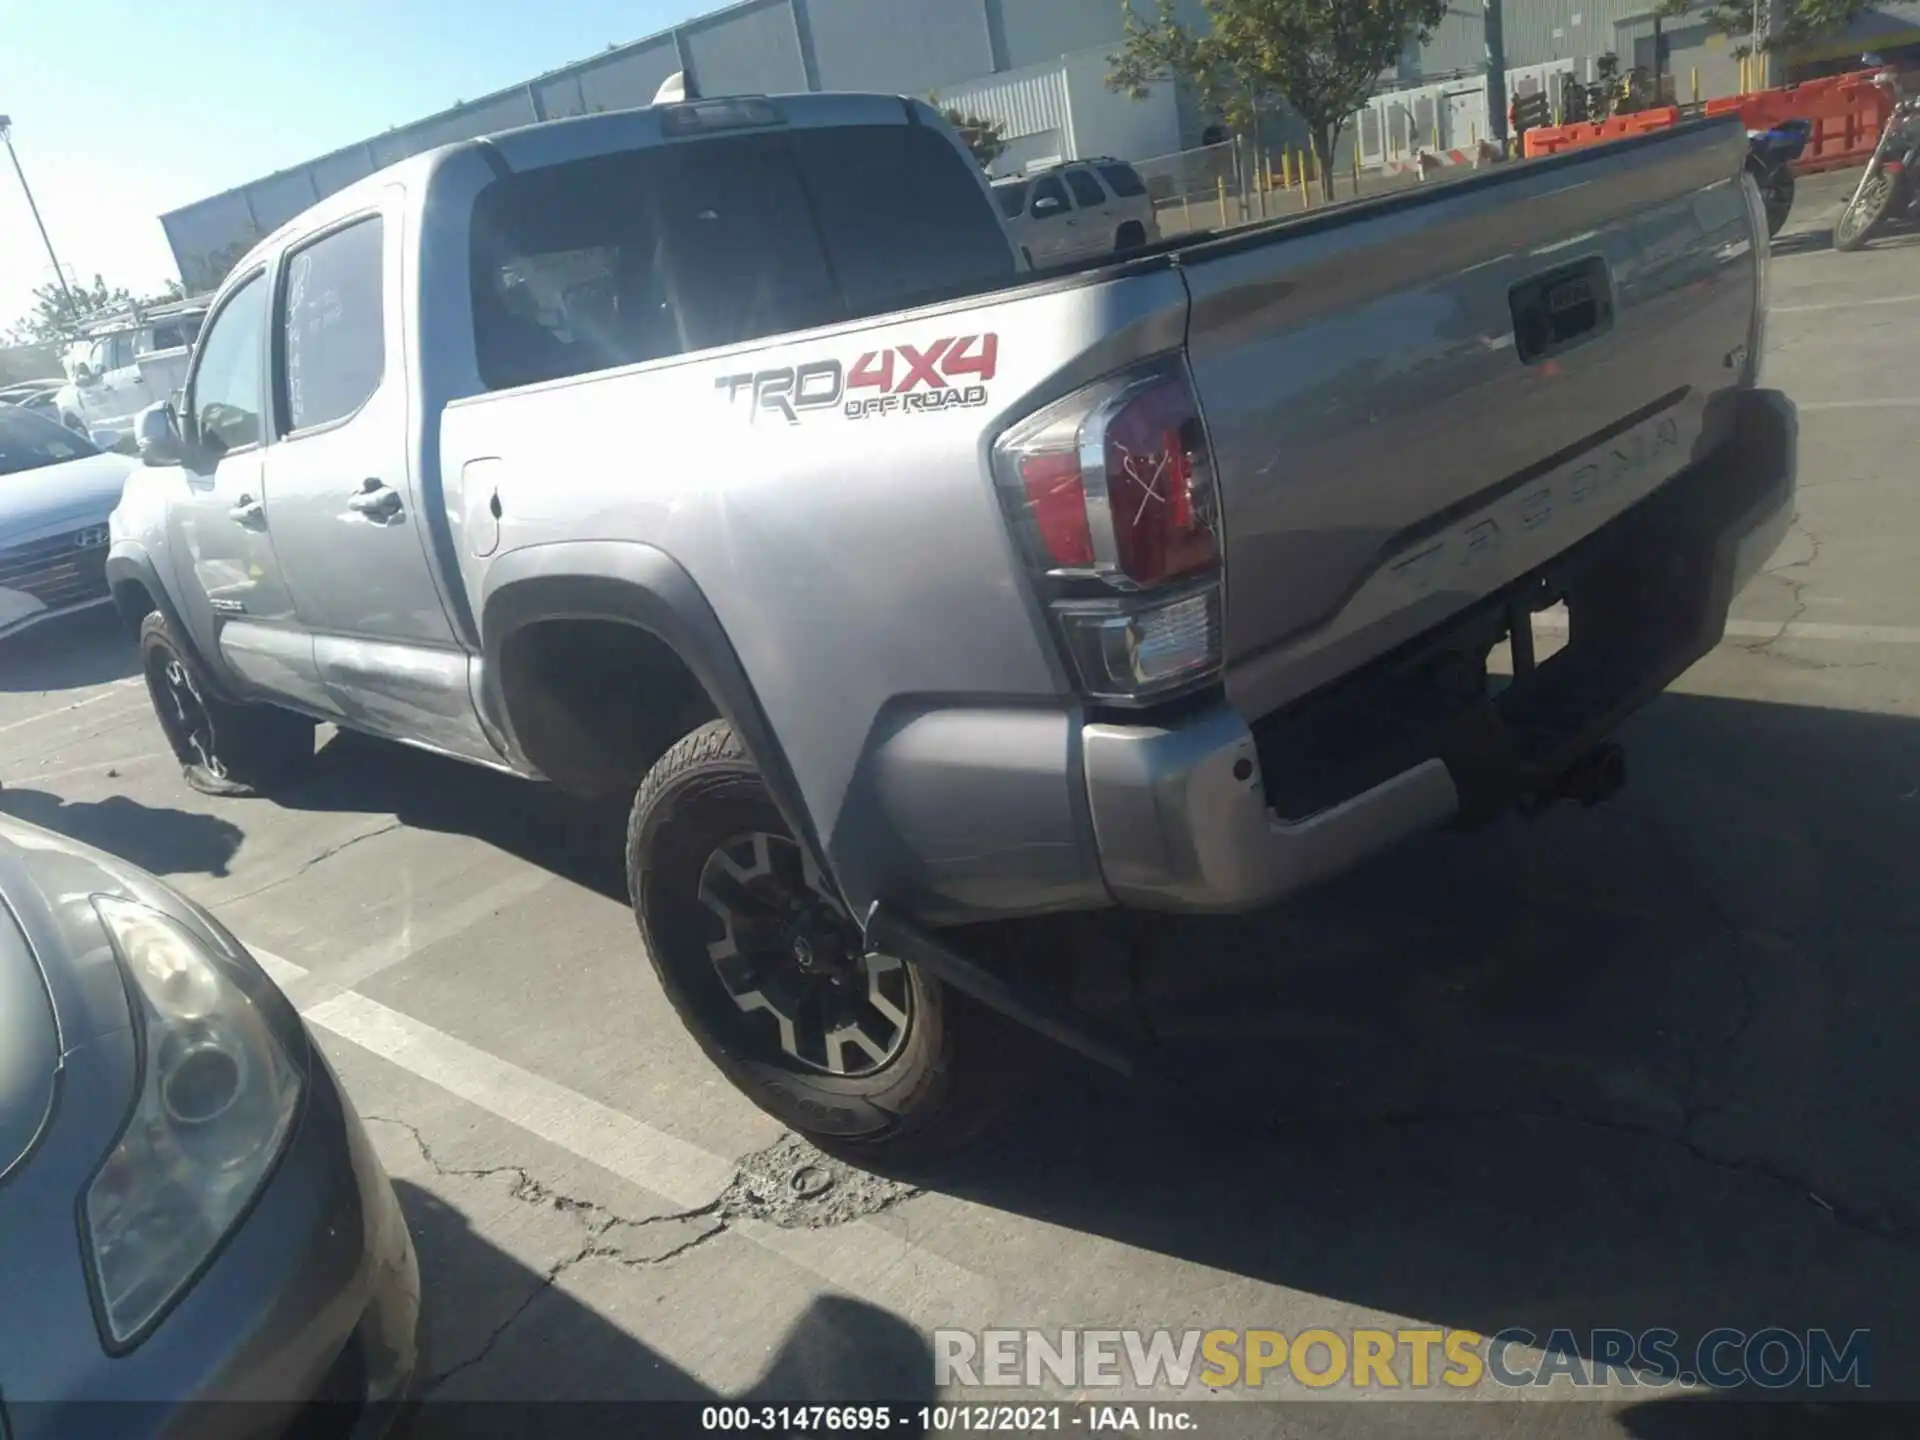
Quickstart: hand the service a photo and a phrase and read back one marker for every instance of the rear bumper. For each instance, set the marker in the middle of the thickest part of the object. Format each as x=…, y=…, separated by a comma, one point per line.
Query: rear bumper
x=1213, y=814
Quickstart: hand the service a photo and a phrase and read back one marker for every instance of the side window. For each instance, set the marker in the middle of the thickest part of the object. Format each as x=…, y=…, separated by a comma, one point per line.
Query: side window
x=99, y=357
x=120, y=352
x=1086, y=190
x=1123, y=180
x=225, y=399
x=1012, y=198
x=1049, y=189
x=331, y=327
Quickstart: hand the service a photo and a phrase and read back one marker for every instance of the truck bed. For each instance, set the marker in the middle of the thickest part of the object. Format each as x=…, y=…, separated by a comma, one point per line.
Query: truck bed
x=1370, y=401
x=1397, y=433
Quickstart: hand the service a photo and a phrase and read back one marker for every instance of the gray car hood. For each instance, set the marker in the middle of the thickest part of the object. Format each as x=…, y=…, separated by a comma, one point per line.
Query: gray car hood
x=61, y=989
x=79, y=490
x=29, y=1046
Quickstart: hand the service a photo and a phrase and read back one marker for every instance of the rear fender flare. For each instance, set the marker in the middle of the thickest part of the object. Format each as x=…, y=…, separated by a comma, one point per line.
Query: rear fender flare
x=634, y=584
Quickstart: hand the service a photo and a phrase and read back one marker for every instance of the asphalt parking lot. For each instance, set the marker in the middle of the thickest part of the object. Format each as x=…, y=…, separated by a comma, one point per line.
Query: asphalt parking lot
x=1647, y=1065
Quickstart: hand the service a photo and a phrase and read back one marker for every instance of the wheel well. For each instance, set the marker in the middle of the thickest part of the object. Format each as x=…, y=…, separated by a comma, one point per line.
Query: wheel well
x=133, y=602
x=593, y=703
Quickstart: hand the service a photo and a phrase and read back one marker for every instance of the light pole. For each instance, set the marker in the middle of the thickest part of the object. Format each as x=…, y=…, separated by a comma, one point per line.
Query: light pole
x=1496, y=77
x=6, y=134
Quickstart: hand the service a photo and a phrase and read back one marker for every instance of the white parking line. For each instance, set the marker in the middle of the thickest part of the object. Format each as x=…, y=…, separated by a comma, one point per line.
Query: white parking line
x=1796, y=630
x=107, y=694
x=436, y=929
x=1843, y=305
x=861, y=1258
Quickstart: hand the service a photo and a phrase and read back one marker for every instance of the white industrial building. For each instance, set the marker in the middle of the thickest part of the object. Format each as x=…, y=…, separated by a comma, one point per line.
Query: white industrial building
x=1037, y=66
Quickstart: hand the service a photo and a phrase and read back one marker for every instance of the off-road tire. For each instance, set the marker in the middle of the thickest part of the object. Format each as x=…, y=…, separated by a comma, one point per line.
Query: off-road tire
x=959, y=1063
x=1129, y=237
x=242, y=749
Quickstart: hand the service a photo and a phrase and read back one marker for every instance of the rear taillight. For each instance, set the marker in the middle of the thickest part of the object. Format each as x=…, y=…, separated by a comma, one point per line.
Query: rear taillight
x=1111, y=493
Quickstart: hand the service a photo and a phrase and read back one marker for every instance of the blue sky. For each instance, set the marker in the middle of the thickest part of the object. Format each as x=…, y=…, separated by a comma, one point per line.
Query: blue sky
x=123, y=109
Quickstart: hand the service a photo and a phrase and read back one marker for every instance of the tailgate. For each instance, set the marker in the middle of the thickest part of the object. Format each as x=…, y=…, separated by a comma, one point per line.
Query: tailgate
x=1416, y=401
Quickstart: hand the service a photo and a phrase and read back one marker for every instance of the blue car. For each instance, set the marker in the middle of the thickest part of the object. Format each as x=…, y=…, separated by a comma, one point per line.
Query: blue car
x=57, y=490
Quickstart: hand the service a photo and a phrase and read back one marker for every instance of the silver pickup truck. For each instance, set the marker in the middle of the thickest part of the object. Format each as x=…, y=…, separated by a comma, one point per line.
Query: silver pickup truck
x=725, y=457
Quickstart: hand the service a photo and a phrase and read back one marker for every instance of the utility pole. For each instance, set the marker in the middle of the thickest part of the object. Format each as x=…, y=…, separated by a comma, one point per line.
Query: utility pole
x=6, y=134
x=1496, y=76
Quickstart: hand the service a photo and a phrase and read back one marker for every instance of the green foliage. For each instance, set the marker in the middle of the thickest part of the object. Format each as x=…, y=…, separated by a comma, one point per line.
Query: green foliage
x=985, y=138
x=58, y=313
x=1801, y=20
x=1320, y=58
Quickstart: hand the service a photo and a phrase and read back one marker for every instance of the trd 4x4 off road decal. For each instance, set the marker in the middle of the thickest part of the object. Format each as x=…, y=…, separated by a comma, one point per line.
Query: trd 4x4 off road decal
x=903, y=380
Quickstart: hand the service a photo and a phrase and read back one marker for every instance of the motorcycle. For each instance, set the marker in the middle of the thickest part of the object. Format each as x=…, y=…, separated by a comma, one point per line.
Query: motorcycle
x=1770, y=157
x=1890, y=187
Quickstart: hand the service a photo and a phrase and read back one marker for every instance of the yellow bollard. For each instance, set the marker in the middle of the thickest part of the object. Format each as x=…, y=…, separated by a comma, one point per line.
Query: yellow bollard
x=1223, y=201
x=1356, y=168
x=1696, y=84
x=1186, y=214
x=1436, y=133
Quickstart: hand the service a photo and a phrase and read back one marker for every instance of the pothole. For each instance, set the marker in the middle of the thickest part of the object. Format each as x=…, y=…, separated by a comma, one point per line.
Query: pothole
x=793, y=1185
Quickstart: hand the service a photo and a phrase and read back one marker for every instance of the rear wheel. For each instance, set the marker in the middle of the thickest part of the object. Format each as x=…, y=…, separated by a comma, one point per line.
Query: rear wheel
x=1865, y=213
x=1131, y=236
x=766, y=967
x=224, y=748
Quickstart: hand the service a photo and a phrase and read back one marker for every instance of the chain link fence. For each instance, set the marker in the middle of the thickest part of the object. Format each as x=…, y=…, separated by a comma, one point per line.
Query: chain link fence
x=1215, y=187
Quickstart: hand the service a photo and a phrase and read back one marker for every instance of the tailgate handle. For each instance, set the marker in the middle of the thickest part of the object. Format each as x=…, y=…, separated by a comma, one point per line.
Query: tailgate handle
x=1561, y=308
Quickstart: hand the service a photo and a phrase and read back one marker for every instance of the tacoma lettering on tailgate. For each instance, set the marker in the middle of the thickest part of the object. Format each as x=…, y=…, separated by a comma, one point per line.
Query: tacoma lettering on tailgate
x=1535, y=505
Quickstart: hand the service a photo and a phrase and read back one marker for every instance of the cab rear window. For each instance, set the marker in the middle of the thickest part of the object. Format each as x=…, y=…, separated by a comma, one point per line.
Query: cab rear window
x=656, y=252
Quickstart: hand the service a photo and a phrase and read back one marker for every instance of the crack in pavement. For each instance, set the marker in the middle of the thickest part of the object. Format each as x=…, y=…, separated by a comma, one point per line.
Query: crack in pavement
x=753, y=1193
x=1799, y=587
x=311, y=861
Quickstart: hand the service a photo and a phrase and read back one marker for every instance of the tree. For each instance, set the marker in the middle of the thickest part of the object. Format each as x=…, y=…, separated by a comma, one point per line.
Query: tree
x=213, y=267
x=1800, y=21
x=53, y=318
x=985, y=138
x=1321, y=58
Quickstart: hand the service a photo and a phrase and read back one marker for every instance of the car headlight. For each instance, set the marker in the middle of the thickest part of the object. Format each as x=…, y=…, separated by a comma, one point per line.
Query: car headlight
x=218, y=1094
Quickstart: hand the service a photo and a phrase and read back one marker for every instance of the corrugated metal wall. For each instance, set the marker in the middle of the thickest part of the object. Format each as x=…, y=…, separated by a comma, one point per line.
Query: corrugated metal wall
x=908, y=46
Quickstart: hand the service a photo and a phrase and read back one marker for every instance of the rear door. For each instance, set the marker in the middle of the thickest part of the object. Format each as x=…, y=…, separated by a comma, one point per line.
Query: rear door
x=340, y=495
x=1093, y=211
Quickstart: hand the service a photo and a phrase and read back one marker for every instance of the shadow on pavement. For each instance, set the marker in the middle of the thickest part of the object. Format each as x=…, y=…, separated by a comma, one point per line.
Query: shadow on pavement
x=167, y=842
x=90, y=648
x=1647, y=1066
x=537, y=1346
x=538, y=823
x=1803, y=242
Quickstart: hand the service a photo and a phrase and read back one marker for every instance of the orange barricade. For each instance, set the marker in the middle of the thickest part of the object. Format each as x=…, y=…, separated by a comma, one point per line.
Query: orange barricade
x=1551, y=140
x=1846, y=111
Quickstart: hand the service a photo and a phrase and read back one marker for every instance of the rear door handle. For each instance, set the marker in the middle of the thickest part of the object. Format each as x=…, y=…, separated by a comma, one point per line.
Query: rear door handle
x=375, y=499
x=249, y=512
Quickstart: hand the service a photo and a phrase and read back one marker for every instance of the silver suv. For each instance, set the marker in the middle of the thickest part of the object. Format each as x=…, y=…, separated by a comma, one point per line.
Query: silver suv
x=1078, y=211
